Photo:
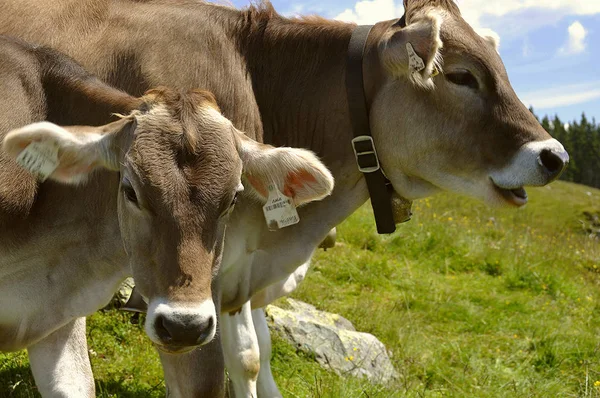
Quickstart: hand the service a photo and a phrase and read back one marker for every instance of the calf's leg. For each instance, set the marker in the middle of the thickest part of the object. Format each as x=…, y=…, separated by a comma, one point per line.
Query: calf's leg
x=241, y=350
x=61, y=365
x=266, y=383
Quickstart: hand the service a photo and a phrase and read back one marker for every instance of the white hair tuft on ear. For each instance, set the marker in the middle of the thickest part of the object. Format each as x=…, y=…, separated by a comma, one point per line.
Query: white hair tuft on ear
x=490, y=36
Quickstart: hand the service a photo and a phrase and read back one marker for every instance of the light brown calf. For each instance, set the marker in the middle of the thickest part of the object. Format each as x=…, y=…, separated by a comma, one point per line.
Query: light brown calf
x=149, y=195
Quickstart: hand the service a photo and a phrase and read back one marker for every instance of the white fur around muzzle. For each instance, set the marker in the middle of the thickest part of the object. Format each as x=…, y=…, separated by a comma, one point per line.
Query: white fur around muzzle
x=526, y=168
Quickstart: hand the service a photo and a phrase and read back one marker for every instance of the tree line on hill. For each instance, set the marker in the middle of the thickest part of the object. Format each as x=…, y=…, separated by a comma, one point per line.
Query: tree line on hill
x=582, y=140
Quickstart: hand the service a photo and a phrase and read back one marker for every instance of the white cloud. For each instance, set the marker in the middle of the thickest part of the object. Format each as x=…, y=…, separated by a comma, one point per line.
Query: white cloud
x=576, y=43
x=372, y=11
x=562, y=95
x=525, y=15
x=474, y=10
x=526, y=49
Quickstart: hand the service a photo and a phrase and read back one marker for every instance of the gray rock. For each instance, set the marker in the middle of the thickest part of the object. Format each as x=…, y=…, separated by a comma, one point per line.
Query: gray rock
x=329, y=240
x=333, y=341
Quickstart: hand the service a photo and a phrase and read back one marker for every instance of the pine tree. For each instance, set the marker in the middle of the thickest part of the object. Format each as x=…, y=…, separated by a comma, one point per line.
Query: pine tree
x=582, y=141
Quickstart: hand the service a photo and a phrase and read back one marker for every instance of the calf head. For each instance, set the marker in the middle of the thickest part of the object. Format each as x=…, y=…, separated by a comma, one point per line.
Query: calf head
x=180, y=166
x=444, y=115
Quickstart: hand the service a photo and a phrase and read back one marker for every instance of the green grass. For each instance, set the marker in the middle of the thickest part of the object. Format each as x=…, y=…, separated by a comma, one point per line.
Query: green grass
x=471, y=301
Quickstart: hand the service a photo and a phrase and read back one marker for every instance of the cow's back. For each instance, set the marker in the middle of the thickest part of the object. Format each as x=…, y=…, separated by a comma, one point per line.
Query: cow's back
x=39, y=83
x=137, y=45
x=22, y=102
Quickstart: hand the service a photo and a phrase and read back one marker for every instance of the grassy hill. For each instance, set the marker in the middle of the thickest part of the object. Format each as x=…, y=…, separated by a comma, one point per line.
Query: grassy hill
x=471, y=301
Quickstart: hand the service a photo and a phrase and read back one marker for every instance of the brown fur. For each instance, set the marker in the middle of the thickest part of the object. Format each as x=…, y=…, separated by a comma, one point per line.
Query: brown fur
x=42, y=84
x=184, y=108
x=413, y=6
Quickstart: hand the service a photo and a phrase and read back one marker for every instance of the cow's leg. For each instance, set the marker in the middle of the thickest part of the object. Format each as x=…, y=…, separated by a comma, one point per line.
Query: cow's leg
x=61, y=365
x=280, y=289
x=240, y=347
x=197, y=374
x=266, y=383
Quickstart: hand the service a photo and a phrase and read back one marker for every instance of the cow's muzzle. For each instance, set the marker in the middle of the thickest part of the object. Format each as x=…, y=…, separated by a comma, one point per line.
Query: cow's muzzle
x=535, y=164
x=553, y=162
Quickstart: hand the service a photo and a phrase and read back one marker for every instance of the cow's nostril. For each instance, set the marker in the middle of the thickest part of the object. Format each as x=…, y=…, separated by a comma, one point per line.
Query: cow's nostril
x=161, y=326
x=553, y=162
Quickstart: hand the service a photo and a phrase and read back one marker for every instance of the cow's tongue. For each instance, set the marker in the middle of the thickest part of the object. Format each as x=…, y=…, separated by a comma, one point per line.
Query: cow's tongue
x=519, y=193
x=516, y=196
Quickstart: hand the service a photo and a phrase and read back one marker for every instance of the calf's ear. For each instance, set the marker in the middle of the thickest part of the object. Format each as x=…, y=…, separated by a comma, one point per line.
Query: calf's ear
x=413, y=52
x=297, y=173
x=66, y=154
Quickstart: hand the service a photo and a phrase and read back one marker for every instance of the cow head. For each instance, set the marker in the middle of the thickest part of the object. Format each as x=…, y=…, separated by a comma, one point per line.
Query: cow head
x=444, y=115
x=180, y=166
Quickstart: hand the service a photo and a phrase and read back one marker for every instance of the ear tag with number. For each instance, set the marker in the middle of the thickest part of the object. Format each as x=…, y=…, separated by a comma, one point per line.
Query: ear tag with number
x=415, y=63
x=40, y=159
x=279, y=210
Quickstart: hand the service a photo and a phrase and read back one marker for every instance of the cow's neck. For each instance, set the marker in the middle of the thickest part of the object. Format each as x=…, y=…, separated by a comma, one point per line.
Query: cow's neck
x=298, y=70
x=298, y=74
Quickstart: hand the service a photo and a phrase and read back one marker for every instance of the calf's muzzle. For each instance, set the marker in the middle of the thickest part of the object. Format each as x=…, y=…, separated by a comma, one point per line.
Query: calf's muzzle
x=175, y=327
x=184, y=329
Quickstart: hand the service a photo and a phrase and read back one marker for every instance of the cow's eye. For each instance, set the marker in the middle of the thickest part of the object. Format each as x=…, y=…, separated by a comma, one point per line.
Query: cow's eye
x=463, y=78
x=128, y=191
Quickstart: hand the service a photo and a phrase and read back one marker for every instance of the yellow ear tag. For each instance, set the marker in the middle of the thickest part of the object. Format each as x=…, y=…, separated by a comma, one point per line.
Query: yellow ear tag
x=434, y=72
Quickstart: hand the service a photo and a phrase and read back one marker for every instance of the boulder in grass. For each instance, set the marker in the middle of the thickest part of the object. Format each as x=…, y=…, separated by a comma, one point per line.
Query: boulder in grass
x=333, y=341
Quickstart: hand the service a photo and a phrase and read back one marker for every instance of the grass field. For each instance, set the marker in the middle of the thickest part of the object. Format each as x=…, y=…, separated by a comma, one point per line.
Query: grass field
x=471, y=301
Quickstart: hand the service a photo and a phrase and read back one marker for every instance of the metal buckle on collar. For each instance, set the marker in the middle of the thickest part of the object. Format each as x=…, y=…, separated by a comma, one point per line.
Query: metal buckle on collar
x=366, y=156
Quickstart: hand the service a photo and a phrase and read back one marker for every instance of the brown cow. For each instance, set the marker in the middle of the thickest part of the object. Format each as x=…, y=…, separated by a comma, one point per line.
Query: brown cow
x=282, y=81
x=148, y=194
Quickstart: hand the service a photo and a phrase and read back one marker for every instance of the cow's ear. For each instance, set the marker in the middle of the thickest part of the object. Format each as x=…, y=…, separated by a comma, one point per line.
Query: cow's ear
x=65, y=154
x=297, y=173
x=413, y=52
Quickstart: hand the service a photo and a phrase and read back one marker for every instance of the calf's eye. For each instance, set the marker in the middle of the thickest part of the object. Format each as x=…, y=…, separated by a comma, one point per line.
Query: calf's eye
x=231, y=205
x=234, y=200
x=128, y=191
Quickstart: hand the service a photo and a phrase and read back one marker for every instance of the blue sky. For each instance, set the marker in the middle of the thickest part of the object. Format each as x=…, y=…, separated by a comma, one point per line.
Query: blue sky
x=551, y=48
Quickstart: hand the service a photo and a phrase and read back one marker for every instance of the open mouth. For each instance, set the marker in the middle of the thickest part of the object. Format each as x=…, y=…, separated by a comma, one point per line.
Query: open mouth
x=516, y=197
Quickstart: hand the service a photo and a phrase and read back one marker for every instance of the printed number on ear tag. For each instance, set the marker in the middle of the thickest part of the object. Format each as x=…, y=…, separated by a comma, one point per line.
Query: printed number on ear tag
x=279, y=210
x=40, y=159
